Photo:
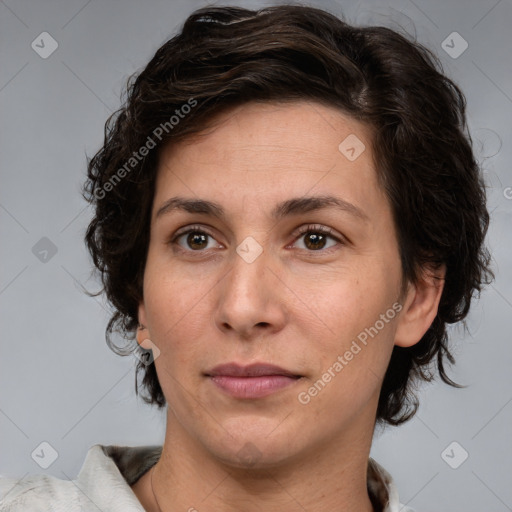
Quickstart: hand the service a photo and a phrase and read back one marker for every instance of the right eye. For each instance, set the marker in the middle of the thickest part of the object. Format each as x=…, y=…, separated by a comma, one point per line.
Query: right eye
x=192, y=239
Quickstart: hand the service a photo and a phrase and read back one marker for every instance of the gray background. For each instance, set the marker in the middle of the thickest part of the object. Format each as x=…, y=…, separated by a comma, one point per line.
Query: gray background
x=59, y=381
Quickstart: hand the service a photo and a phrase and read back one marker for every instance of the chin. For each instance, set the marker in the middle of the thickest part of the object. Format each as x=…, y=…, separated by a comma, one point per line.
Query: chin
x=255, y=447
x=252, y=456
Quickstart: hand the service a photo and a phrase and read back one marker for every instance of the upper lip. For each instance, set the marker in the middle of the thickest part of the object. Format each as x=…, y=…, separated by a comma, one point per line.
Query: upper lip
x=252, y=370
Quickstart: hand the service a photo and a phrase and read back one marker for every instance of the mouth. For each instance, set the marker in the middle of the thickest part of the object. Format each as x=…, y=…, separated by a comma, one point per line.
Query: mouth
x=254, y=381
x=252, y=370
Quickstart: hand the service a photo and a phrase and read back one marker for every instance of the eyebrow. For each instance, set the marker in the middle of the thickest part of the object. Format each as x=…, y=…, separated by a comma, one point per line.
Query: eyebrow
x=294, y=206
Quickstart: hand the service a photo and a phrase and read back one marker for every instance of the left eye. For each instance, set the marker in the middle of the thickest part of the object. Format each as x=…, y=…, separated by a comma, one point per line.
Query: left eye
x=316, y=239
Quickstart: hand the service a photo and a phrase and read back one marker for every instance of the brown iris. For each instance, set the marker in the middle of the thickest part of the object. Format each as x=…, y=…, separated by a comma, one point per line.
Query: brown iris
x=196, y=239
x=314, y=240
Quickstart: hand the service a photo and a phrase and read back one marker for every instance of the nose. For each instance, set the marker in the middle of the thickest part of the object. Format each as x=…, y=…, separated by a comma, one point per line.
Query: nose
x=250, y=299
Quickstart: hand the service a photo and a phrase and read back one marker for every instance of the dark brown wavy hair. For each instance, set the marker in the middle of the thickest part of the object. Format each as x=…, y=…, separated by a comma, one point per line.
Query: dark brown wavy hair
x=227, y=56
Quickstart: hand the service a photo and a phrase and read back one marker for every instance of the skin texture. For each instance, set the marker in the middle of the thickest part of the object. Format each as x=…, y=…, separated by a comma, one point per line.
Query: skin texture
x=295, y=306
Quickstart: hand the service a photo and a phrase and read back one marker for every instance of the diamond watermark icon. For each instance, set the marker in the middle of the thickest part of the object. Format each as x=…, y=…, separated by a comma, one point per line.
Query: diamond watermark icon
x=147, y=353
x=454, y=455
x=249, y=454
x=44, y=45
x=454, y=45
x=44, y=250
x=44, y=455
x=249, y=249
x=351, y=147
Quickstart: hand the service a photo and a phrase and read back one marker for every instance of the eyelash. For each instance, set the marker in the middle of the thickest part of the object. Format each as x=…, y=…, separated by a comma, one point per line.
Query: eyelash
x=311, y=228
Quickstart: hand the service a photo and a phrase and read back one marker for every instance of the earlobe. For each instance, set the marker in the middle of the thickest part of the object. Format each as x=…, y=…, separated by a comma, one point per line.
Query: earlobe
x=143, y=336
x=420, y=307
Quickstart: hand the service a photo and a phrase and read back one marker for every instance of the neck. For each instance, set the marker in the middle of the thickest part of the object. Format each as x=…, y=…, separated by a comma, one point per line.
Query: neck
x=332, y=476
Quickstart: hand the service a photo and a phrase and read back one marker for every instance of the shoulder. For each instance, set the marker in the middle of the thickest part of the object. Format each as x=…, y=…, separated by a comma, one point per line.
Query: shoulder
x=103, y=483
x=38, y=492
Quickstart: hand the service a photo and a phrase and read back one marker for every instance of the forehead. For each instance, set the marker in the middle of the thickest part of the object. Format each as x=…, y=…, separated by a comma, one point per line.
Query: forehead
x=266, y=149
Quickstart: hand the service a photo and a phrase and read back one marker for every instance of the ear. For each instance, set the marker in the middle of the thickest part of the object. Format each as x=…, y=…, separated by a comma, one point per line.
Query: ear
x=142, y=333
x=420, y=307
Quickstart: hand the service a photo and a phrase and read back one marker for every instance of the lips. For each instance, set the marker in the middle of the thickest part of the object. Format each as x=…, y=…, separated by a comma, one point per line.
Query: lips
x=251, y=382
x=253, y=370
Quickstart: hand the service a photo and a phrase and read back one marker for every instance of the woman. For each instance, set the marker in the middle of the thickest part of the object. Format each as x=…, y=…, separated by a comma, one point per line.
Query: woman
x=288, y=214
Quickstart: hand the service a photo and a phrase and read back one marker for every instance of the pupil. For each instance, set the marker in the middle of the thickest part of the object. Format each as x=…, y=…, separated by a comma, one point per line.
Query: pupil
x=316, y=239
x=196, y=239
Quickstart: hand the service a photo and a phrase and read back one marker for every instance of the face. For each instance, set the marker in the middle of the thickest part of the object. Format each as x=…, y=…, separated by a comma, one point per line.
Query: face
x=278, y=256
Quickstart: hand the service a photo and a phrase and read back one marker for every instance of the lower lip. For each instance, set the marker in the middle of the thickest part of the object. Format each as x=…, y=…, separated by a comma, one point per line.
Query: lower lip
x=252, y=387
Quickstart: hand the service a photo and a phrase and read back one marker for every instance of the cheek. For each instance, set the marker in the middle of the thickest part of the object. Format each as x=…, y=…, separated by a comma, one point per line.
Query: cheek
x=357, y=323
x=349, y=299
x=350, y=367
x=172, y=298
x=177, y=311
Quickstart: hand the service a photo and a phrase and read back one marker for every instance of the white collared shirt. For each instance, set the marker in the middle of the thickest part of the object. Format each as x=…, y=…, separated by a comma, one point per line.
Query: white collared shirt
x=104, y=481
